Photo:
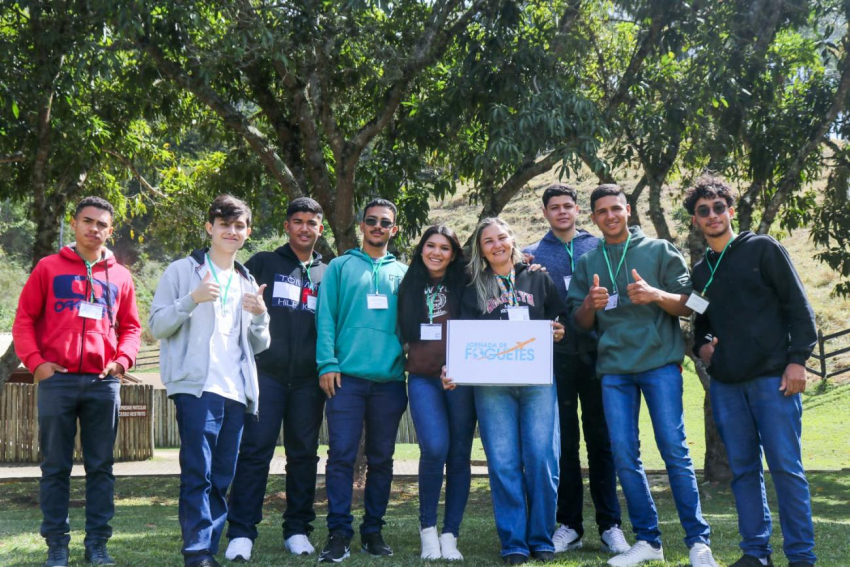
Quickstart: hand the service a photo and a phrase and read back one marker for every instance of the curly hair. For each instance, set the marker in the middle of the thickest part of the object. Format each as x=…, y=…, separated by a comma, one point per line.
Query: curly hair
x=708, y=187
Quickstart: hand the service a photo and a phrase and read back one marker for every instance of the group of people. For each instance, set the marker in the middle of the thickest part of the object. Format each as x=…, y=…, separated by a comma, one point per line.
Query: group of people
x=286, y=339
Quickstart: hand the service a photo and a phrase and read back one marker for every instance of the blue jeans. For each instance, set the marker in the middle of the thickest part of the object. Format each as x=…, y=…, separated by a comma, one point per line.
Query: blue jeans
x=379, y=406
x=445, y=425
x=210, y=429
x=520, y=433
x=662, y=389
x=755, y=415
x=300, y=408
x=62, y=399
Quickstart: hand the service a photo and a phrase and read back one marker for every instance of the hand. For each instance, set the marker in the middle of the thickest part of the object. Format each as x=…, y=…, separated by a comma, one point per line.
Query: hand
x=112, y=369
x=597, y=297
x=253, y=302
x=329, y=381
x=706, y=351
x=558, y=331
x=640, y=292
x=207, y=291
x=528, y=258
x=793, y=380
x=448, y=384
x=45, y=370
x=536, y=268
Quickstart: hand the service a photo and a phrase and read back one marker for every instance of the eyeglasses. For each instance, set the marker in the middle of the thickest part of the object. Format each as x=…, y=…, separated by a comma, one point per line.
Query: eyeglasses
x=372, y=221
x=703, y=211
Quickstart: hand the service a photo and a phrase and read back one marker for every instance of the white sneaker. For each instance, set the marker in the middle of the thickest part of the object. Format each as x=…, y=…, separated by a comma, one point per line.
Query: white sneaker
x=639, y=553
x=239, y=549
x=448, y=547
x=299, y=545
x=430, y=543
x=701, y=556
x=565, y=539
x=614, y=541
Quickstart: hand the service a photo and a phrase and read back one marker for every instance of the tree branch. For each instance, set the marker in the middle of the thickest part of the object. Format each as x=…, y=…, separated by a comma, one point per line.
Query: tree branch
x=128, y=163
x=13, y=157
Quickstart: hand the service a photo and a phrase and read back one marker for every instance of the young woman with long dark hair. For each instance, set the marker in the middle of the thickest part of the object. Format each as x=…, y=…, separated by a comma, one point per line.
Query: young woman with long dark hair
x=429, y=295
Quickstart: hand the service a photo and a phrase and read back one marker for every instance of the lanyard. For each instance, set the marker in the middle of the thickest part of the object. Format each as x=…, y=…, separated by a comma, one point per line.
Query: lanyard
x=306, y=266
x=569, y=249
x=375, y=267
x=717, y=265
x=215, y=275
x=90, y=277
x=430, y=296
x=506, y=285
x=614, y=275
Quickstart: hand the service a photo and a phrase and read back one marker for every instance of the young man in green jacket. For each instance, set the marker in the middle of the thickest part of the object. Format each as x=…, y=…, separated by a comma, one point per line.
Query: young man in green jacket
x=361, y=369
x=632, y=289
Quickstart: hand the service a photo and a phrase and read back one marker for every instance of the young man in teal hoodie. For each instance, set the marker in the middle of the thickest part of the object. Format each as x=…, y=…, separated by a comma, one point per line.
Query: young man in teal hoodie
x=632, y=290
x=361, y=369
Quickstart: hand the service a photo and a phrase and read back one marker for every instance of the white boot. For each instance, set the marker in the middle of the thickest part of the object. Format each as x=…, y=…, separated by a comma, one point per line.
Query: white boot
x=448, y=547
x=239, y=548
x=430, y=543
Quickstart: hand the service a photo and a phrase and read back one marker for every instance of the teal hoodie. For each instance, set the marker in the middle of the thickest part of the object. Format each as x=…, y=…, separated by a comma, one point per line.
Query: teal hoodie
x=353, y=339
x=634, y=338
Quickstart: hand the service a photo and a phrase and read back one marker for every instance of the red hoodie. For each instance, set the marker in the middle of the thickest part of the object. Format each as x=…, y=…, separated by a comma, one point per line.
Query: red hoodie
x=48, y=327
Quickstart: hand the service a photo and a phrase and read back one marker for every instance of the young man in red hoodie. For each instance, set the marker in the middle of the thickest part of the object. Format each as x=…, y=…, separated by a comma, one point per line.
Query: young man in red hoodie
x=77, y=330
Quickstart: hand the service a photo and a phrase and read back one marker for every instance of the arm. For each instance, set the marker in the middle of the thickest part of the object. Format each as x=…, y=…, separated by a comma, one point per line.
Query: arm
x=169, y=310
x=30, y=309
x=258, y=331
x=674, y=284
x=326, y=324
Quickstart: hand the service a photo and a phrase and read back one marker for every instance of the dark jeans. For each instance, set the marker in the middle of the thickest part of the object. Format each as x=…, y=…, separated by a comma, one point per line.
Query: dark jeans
x=752, y=416
x=62, y=399
x=378, y=405
x=445, y=425
x=576, y=382
x=210, y=429
x=300, y=408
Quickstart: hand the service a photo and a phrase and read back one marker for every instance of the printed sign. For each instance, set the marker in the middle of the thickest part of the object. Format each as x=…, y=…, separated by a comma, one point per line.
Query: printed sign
x=499, y=353
x=133, y=411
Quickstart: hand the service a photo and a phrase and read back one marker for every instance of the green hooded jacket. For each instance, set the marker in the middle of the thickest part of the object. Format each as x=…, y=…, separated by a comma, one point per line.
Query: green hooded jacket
x=634, y=338
x=353, y=339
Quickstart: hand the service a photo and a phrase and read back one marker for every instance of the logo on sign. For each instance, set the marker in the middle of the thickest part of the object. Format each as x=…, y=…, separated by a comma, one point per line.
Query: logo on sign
x=500, y=351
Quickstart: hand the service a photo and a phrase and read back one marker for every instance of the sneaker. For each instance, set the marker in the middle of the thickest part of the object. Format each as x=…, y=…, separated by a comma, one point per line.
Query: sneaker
x=205, y=562
x=374, y=544
x=701, y=556
x=515, y=559
x=96, y=554
x=298, y=544
x=752, y=561
x=566, y=539
x=614, y=541
x=239, y=549
x=543, y=556
x=57, y=555
x=430, y=543
x=448, y=547
x=639, y=553
x=337, y=548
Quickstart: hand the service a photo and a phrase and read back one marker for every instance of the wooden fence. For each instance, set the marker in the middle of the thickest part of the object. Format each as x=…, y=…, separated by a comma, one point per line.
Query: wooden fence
x=19, y=424
x=822, y=356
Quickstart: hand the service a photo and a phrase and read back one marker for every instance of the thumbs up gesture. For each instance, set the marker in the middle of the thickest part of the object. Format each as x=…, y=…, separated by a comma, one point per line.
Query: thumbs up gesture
x=640, y=292
x=706, y=351
x=597, y=296
x=253, y=303
x=207, y=291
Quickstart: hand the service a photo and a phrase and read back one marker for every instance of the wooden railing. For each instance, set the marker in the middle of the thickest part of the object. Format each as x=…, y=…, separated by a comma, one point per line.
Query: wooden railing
x=821, y=356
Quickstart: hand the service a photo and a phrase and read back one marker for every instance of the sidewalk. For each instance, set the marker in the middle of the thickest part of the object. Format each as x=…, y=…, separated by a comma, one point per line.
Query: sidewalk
x=165, y=463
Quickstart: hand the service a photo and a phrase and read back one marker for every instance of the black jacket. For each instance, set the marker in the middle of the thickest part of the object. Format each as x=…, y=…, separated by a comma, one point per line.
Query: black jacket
x=757, y=310
x=291, y=358
x=535, y=290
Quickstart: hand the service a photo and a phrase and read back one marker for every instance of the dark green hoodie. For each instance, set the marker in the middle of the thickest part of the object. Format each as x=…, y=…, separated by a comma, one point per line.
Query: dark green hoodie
x=634, y=338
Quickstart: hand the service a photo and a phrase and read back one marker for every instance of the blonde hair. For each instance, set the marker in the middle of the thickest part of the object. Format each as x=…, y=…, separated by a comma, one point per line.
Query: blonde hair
x=480, y=273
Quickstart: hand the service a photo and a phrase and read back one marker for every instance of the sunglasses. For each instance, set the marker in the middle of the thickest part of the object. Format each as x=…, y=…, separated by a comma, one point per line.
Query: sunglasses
x=372, y=221
x=703, y=211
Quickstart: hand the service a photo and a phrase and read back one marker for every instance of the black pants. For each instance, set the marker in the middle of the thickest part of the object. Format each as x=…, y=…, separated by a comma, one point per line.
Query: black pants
x=576, y=380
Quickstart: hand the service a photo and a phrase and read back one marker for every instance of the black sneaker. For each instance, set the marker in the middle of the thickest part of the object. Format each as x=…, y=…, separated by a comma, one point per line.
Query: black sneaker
x=801, y=564
x=96, y=554
x=57, y=555
x=336, y=549
x=515, y=559
x=374, y=544
x=751, y=561
x=543, y=556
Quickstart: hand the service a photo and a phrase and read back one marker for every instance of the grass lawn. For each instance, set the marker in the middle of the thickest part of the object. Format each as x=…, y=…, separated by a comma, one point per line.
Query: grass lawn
x=147, y=531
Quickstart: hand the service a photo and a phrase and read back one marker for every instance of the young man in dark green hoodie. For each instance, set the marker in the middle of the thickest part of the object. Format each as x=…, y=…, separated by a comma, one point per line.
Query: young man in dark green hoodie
x=361, y=369
x=632, y=290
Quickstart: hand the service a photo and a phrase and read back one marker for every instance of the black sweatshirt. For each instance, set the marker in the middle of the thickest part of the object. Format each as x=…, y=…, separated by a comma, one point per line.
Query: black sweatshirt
x=758, y=311
x=291, y=358
x=534, y=290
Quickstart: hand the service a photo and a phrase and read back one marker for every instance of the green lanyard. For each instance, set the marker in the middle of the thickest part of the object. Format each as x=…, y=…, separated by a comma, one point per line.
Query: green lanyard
x=717, y=265
x=90, y=277
x=226, y=289
x=430, y=297
x=375, y=267
x=306, y=266
x=620, y=265
x=507, y=285
x=569, y=249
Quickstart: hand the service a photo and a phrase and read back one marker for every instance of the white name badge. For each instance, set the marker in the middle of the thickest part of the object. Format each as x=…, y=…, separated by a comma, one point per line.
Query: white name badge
x=697, y=302
x=567, y=280
x=286, y=290
x=311, y=302
x=613, y=301
x=430, y=332
x=91, y=310
x=518, y=314
x=377, y=301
